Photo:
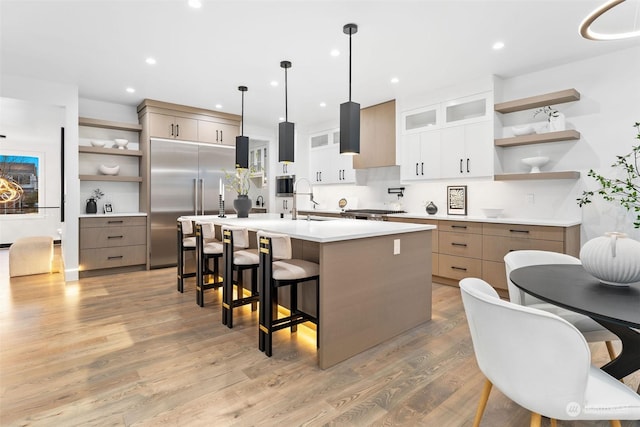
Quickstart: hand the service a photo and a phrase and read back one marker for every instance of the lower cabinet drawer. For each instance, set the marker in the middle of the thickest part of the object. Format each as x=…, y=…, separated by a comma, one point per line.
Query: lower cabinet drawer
x=460, y=244
x=454, y=267
x=494, y=248
x=494, y=273
x=112, y=236
x=92, y=259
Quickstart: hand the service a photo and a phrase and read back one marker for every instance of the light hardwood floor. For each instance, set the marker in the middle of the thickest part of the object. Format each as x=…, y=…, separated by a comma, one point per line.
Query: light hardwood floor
x=130, y=350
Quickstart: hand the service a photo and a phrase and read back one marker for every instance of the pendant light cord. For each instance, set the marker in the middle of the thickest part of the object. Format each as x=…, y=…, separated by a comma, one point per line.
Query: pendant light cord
x=349, y=65
x=286, y=107
x=242, y=125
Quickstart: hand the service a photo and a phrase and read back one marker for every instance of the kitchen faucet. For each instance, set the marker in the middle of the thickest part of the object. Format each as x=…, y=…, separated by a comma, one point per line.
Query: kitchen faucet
x=294, y=211
x=260, y=201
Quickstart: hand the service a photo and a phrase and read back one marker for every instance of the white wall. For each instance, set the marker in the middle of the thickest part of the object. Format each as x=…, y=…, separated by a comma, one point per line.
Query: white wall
x=65, y=96
x=609, y=106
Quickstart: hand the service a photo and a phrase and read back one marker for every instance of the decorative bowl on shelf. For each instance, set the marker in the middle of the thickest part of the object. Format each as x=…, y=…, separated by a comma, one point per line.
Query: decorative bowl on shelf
x=121, y=143
x=97, y=143
x=109, y=170
x=492, y=212
x=535, y=163
x=523, y=130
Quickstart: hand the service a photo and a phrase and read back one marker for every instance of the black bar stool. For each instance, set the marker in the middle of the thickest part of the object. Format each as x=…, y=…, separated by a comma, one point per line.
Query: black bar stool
x=238, y=258
x=285, y=271
x=186, y=243
x=208, y=249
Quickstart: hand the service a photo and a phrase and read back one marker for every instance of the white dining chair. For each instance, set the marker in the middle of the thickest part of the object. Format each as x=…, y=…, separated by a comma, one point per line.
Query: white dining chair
x=592, y=330
x=559, y=383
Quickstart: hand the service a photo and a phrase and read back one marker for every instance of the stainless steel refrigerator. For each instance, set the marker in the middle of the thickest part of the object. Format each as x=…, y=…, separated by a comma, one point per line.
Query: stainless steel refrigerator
x=185, y=180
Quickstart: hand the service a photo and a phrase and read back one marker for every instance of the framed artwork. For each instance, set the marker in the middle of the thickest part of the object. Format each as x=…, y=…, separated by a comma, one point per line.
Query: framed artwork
x=20, y=184
x=108, y=208
x=457, y=200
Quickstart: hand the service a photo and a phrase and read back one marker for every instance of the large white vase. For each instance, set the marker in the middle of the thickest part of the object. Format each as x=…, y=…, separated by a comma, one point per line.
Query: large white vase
x=612, y=258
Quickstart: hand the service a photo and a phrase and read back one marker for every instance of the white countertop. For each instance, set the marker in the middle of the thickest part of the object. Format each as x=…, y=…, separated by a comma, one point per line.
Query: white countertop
x=323, y=231
x=499, y=220
x=97, y=215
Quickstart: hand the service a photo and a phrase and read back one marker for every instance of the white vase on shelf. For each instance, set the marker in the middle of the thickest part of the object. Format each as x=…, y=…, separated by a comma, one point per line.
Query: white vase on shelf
x=557, y=123
x=613, y=258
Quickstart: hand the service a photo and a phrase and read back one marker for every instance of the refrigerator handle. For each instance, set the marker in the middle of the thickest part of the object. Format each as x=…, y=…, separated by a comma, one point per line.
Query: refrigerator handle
x=201, y=196
x=195, y=196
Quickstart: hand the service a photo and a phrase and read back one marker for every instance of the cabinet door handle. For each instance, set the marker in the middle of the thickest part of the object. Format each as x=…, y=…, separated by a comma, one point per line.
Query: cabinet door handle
x=115, y=237
x=216, y=135
x=416, y=169
x=115, y=257
x=172, y=130
x=221, y=136
x=467, y=165
x=115, y=222
x=320, y=175
x=422, y=168
x=458, y=244
x=464, y=227
x=453, y=267
x=519, y=231
x=460, y=165
x=177, y=130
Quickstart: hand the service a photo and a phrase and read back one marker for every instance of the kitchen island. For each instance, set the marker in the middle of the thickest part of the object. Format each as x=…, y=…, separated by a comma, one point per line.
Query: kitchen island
x=375, y=277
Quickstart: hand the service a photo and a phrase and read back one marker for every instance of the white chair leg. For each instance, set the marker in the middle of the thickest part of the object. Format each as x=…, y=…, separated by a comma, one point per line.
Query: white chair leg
x=536, y=419
x=484, y=397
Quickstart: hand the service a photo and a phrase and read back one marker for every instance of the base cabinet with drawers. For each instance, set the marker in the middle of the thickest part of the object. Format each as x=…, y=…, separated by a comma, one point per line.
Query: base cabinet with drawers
x=477, y=249
x=112, y=244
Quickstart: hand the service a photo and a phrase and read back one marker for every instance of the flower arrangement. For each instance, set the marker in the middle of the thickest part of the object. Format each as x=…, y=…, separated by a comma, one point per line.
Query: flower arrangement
x=626, y=190
x=238, y=181
x=547, y=111
x=97, y=194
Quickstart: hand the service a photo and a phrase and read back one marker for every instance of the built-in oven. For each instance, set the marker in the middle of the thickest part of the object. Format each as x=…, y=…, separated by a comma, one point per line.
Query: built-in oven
x=284, y=185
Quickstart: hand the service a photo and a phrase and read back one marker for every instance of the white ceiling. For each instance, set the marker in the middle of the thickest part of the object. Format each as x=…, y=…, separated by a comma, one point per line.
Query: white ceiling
x=203, y=55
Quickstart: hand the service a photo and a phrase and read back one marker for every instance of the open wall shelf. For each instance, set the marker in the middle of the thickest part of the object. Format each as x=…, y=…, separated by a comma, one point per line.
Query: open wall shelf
x=565, y=135
x=560, y=97
x=537, y=176
x=106, y=124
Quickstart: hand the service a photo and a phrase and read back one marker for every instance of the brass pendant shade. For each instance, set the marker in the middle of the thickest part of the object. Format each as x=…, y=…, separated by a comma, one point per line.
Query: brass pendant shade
x=242, y=142
x=286, y=129
x=350, y=111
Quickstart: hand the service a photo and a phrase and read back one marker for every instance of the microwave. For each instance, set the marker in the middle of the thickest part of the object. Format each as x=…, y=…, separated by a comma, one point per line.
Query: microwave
x=284, y=185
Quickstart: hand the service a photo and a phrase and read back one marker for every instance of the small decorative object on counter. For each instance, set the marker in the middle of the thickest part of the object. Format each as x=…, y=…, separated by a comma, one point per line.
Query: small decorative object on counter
x=432, y=209
x=240, y=183
x=457, y=200
x=612, y=258
x=554, y=117
x=92, y=205
x=242, y=205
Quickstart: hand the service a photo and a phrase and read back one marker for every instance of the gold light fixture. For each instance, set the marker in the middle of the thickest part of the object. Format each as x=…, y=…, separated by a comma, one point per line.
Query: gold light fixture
x=588, y=33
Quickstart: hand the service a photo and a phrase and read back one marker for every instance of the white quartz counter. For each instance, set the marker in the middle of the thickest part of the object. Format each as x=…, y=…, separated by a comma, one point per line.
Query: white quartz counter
x=96, y=215
x=499, y=220
x=322, y=231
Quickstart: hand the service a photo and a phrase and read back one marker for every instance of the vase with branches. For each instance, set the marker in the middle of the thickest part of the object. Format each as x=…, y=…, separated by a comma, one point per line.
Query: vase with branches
x=240, y=182
x=624, y=190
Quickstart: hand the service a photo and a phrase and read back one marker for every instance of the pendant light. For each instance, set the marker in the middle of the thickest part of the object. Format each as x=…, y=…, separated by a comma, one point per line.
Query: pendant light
x=242, y=142
x=350, y=111
x=286, y=128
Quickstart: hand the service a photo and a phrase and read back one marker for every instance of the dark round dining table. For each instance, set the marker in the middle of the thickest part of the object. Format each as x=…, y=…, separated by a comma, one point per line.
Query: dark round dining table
x=617, y=308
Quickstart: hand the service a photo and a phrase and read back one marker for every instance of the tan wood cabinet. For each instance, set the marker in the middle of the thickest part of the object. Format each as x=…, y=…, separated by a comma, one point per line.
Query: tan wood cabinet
x=477, y=249
x=217, y=133
x=112, y=244
x=377, y=136
x=172, y=127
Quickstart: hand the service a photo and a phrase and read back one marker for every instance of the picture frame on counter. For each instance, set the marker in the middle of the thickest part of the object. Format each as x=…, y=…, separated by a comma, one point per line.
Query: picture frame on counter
x=108, y=208
x=457, y=200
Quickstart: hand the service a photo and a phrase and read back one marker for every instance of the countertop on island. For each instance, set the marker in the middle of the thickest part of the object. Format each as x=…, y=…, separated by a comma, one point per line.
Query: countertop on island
x=321, y=230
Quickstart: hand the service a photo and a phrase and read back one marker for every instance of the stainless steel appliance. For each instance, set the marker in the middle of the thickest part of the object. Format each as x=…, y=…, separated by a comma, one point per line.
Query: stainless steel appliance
x=185, y=180
x=284, y=185
x=369, y=214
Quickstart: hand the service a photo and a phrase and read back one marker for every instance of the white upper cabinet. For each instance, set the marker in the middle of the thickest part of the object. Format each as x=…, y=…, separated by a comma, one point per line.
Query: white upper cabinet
x=469, y=109
x=326, y=164
x=420, y=156
x=426, y=118
x=467, y=151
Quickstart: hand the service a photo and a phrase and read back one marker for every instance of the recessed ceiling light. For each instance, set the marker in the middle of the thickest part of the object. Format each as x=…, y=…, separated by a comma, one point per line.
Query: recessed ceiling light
x=218, y=106
x=196, y=4
x=274, y=83
x=394, y=80
x=335, y=52
x=130, y=90
x=498, y=45
x=281, y=119
x=150, y=61
x=323, y=104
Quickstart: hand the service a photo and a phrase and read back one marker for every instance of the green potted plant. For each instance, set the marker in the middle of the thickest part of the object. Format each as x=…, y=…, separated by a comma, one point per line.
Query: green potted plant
x=625, y=190
x=239, y=181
